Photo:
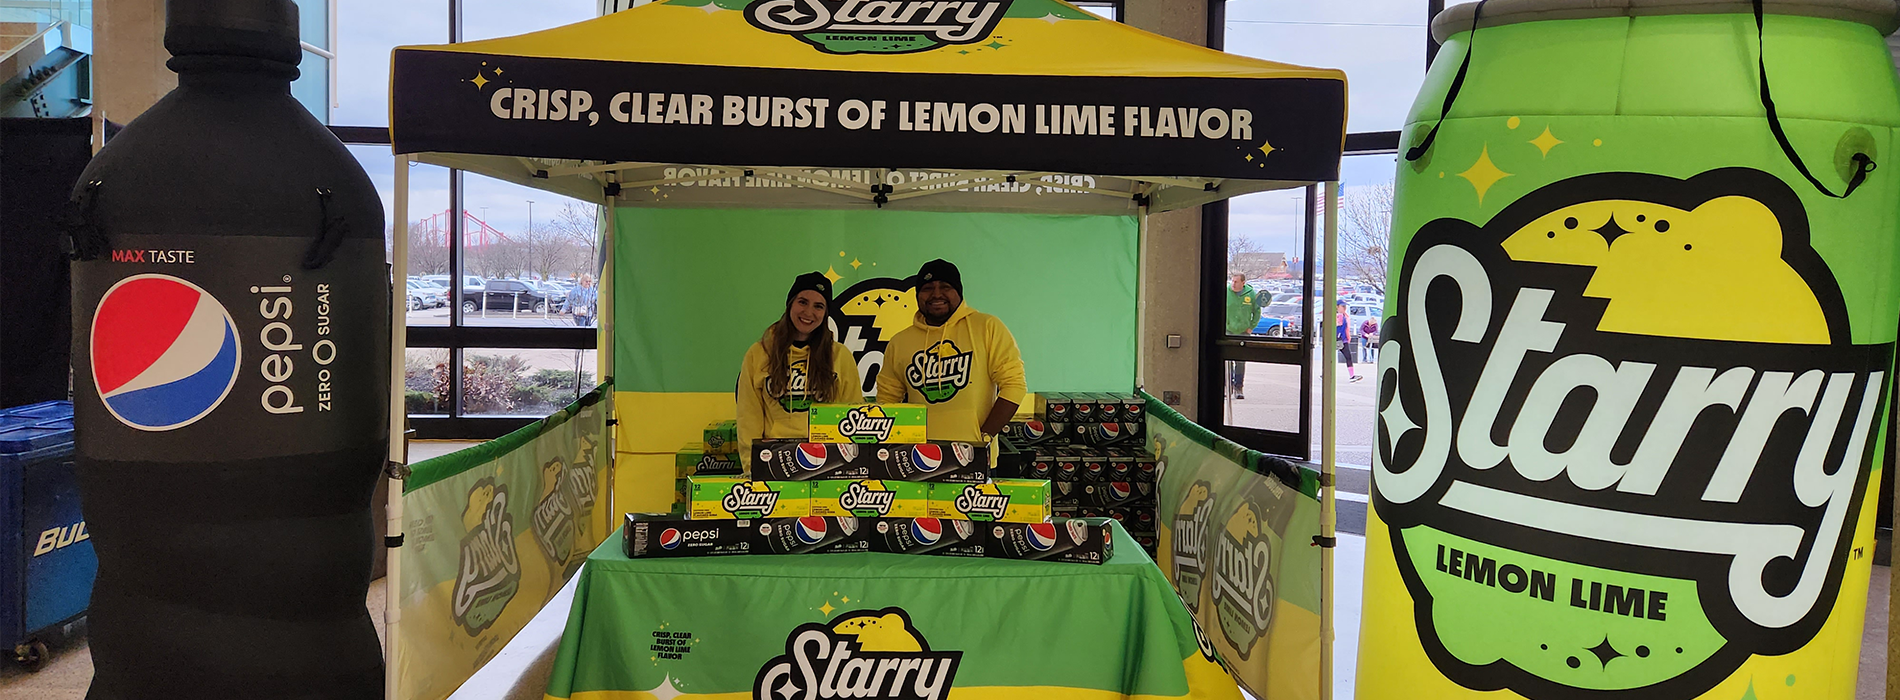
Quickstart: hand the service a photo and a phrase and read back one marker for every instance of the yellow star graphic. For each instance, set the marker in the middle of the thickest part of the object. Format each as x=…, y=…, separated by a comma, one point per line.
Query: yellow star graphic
x=497, y=70
x=847, y=599
x=1250, y=157
x=826, y=608
x=1545, y=142
x=655, y=189
x=479, y=81
x=1483, y=174
x=855, y=264
x=832, y=274
x=1266, y=149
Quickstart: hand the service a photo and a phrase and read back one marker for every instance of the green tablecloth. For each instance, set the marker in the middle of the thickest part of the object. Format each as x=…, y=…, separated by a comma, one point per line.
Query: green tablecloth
x=663, y=629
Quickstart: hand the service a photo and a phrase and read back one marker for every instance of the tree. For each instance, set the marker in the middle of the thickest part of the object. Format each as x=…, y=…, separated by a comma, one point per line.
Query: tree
x=427, y=253
x=1365, y=234
x=579, y=228
x=1238, y=246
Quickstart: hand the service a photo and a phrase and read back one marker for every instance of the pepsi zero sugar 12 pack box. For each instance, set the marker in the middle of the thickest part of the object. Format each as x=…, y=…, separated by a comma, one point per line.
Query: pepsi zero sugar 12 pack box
x=659, y=535
x=940, y=462
x=870, y=498
x=1000, y=500
x=695, y=460
x=726, y=497
x=721, y=437
x=797, y=460
x=938, y=536
x=1068, y=540
x=890, y=423
x=808, y=535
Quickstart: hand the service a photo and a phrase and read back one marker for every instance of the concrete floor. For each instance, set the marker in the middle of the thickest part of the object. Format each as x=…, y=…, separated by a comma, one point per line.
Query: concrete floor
x=521, y=669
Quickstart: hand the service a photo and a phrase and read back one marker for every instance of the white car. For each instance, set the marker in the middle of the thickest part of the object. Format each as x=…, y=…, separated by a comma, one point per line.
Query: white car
x=423, y=295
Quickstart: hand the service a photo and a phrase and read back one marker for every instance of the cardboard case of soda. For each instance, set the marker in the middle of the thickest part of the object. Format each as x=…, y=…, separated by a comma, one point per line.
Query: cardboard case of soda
x=725, y=498
x=870, y=498
x=1096, y=470
x=696, y=460
x=721, y=437
x=896, y=423
x=796, y=460
x=1076, y=541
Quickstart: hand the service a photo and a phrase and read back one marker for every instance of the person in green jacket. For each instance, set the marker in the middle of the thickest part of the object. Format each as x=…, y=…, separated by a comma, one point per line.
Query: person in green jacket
x=1243, y=313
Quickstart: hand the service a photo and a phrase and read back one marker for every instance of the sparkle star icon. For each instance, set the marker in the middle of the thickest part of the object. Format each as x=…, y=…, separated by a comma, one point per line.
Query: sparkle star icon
x=1266, y=149
x=1396, y=421
x=479, y=81
x=1050, y=18
x=665, y=690
x=791, y=14
x=996, y=45
x=1604, y=652
x=497, y=70
x=710, y=8
x=826, y=608
x=832, y=274
x=1545, y=142
x=1483, y=174
x=787, y=691
x=855, y=264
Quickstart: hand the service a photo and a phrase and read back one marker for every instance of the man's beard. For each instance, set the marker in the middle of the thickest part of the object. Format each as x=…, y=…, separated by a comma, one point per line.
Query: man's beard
x=936, y=320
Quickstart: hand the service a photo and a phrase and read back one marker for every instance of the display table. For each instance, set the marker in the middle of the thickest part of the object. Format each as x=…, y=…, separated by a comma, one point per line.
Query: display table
x=820, y=626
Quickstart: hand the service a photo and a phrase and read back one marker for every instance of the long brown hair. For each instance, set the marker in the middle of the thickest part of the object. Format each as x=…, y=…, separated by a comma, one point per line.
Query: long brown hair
x=821, y=380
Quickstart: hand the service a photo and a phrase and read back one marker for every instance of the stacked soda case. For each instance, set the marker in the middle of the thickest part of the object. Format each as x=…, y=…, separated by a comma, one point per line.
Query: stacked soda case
x=1069, y=540
x=696, y=459
x=1026, y=501
x=1093, y=449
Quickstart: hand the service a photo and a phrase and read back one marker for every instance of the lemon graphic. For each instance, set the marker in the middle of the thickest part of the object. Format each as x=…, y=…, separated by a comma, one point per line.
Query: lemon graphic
x=1714, y=273
x=551, y=476
x=879, y=632
x=1195, y=494
x=478, y=500
x=1244, y=524
x=893, y=309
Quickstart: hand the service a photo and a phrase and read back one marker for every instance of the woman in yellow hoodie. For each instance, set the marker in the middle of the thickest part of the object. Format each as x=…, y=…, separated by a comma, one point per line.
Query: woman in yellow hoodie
x=795, y=364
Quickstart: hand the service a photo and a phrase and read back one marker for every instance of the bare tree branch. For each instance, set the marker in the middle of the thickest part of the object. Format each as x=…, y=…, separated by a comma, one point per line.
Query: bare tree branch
x=1365, y=234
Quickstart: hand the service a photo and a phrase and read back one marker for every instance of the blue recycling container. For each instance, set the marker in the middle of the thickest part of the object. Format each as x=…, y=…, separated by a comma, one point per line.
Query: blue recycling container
x=46, y=559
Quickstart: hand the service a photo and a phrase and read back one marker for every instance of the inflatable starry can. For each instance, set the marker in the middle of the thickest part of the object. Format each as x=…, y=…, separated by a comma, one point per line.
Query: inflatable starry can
x=1633, y=382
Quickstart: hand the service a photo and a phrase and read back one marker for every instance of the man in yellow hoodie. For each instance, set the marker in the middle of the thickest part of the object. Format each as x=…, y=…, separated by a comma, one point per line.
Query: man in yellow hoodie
x=962, y=363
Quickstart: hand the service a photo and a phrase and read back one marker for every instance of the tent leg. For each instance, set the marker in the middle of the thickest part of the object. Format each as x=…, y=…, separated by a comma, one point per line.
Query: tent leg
x=398, y=438
x=1329, y=433
x=604, y=356
x=1141, y=297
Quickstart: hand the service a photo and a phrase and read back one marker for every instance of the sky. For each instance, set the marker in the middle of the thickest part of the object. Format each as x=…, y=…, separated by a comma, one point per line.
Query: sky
x=1379, y=43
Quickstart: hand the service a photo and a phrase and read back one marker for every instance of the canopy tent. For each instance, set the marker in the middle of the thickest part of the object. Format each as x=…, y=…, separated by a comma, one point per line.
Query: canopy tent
x=995, y=105
x=1008, y=106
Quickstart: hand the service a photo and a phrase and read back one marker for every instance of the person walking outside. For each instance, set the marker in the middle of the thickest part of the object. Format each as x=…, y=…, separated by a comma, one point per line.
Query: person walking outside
x=1343, y=326
x=582, y=302
x=1243, y=313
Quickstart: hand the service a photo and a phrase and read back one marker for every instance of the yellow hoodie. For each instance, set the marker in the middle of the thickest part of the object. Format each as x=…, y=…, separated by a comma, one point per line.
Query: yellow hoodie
x=960, y=369
x=763, y=415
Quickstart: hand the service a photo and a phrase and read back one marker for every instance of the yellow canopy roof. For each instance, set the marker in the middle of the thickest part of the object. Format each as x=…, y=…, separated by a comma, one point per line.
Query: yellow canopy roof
x=998, y=105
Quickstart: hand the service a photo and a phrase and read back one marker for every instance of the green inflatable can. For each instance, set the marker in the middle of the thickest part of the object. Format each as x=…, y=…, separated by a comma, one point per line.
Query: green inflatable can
x=1634, y=380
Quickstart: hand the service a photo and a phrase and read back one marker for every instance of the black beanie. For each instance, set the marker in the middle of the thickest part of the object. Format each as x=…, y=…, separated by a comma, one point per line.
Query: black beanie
x=814, y=281
x=940, y=270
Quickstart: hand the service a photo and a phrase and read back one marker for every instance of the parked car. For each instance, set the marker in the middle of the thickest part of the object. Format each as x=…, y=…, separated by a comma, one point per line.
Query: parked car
x=1281, y=320
x=505, y=295
x=423, y=295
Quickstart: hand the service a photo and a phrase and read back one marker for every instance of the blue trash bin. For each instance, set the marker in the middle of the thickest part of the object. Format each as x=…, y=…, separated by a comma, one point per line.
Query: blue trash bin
x=46, y=559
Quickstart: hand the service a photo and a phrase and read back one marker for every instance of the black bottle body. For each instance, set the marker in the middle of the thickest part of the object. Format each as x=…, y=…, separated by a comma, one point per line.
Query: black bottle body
x=231, y=401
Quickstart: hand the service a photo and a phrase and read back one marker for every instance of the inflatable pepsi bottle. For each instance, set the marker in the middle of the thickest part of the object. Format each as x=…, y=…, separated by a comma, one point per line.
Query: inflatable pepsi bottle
x=230, y=360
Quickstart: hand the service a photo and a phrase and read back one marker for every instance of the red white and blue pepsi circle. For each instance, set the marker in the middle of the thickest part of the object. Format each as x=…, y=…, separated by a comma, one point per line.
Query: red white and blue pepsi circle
x=927, y=457
x=810, y=529
x=926, y=530
x=1111, y=431
x=1119, y=490
x=811, y=456
x=1034, y=429
x=1042, y=536
x=670, y=538
x=164, y=352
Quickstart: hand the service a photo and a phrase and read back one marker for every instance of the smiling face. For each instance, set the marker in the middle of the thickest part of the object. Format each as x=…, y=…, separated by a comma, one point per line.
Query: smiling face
x=937, y=300
x=806, y=312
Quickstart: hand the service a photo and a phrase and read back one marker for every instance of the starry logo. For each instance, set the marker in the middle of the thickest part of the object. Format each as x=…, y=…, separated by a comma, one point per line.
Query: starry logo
x=1189, y=551
x=879, y=26
x=860, y=654
x=554, y=514
x=866, y=424
x=795, y=399
x=1241, y=582
x=1563, y=447
x=489, y=572
x=939, y=371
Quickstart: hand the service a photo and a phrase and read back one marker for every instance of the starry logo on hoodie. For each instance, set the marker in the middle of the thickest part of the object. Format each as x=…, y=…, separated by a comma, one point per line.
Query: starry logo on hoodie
x=939, y=371
x=795, y=399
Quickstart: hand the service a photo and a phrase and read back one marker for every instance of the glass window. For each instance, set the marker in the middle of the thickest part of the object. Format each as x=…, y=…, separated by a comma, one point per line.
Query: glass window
x=366, y=32
x=313, y=22
x=1365, y=232
x=487, y=19
x=312, y=86
x=1265, y=234
x=425, y=379
x=428, y=230
x=1262, y=395
x=523, y=382
x=528, y=249
x=1106, y=10
x=1379, y=43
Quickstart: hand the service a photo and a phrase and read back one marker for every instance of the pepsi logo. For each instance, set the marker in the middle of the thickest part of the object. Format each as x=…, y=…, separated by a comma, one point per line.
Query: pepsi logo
x=926, y=530
x=164, y=352
x=1111, y=430
x=670, y=539
x=1042, y=536
x=1118, y=491
x=1034, y=430
x=811, y=456
x=927, y=457
x=810, y=529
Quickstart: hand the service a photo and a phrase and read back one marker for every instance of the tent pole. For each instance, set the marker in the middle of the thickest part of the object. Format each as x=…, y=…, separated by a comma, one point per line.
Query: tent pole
x=398, y=438
x=1329, y=428
x=604, y=355
x=1141, y=296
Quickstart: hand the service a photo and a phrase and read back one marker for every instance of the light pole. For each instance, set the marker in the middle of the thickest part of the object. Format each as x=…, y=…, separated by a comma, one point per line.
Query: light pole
x=530, y=239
